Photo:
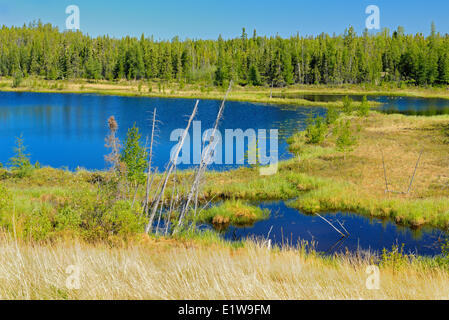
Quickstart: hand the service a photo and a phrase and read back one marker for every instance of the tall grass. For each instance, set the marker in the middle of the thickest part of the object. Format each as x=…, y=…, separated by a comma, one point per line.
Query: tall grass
x=234, y=212
x=164, y=269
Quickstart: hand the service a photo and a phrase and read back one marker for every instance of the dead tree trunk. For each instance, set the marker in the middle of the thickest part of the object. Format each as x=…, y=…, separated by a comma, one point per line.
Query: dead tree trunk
x=149, y=183
x=169, y=170
x=205, y=159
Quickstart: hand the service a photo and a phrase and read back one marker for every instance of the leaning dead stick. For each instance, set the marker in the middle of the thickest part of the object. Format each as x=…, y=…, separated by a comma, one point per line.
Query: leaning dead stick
x=330, y=223
x=414, y=173
x=411, y=180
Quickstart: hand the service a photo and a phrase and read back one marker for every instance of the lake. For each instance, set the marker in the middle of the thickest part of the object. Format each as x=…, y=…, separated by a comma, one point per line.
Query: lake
x=402, y=105
x=68, y=130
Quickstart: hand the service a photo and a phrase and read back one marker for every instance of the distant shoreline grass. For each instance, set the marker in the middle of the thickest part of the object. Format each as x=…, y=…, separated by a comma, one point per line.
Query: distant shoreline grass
x=201, y=91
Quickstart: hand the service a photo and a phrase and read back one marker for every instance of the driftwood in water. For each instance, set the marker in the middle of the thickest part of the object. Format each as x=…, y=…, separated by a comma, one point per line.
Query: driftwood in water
x=335, y=228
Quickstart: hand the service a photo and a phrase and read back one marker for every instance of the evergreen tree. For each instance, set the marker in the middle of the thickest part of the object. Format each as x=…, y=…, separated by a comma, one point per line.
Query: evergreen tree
x=134, y=157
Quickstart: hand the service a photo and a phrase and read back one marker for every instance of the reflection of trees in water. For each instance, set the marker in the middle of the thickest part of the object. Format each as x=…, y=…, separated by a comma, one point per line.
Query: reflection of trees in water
x=429, y=111
x=416, y=106
x=317, y=97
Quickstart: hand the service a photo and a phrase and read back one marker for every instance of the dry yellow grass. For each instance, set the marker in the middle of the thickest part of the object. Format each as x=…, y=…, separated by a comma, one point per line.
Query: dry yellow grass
x=401, y=139
x=167, y=271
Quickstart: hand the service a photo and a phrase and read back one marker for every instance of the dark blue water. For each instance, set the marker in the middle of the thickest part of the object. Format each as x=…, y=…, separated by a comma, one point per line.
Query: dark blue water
x=403, y=105
x=288, y=226
x=413, y=106
x=68, y=130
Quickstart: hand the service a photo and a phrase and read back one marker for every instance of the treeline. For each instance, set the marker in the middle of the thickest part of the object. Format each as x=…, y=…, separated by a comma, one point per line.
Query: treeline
x=43, y=50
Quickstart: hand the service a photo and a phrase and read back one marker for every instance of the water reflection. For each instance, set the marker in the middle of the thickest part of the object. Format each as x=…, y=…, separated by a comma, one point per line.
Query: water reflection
x=287, y=226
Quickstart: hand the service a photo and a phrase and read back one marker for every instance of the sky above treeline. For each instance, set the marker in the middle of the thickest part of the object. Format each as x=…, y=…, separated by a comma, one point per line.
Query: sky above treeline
x=207, y=19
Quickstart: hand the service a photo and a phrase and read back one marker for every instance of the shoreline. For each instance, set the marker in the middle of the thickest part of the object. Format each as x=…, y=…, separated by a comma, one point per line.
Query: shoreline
x=152, y=89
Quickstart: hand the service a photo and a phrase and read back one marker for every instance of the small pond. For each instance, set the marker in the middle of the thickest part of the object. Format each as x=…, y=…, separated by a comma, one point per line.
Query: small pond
x=288, y=226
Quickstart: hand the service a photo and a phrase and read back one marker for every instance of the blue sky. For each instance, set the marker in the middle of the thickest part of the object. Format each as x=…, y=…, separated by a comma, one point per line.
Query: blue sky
x=207, y=19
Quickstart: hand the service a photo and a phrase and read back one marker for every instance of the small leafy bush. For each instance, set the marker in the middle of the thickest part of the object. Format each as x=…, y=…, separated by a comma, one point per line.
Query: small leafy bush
x=396, y=258
x=17, y=79
x=5, y=197
x=346, y=139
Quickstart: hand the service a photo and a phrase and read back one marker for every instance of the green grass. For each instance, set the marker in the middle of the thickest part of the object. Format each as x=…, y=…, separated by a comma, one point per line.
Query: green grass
x=317, y=195
x=232, y=212
x=414, y=213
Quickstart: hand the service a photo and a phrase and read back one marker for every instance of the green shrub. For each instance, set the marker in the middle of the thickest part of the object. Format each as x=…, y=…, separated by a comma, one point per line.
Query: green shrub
x=442, y=260
x=5, y=197
x=20, y=162
x=67, y=219
x=122, y=220
x=348, y=107
x=17, y=79
x=134, y=156
x=316, y=130
x=396, y=258
x=346, y=140
x=364, y=108
x=38, y=224
x=332, y=115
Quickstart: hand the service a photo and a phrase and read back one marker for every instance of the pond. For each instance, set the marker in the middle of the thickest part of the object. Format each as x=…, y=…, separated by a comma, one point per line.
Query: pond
x=68, y=130
x=402, y=105
x=287, y=226
x=413, y=106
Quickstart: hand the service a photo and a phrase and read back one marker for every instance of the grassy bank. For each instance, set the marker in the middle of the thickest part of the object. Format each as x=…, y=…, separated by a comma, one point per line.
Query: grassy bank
x=167, y=269
x=325, y=179
x=233, y=212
